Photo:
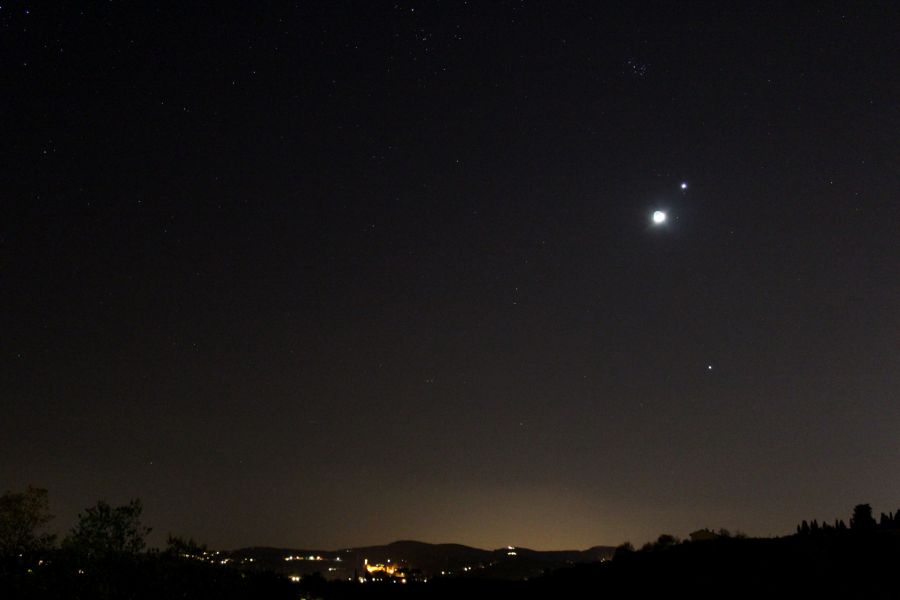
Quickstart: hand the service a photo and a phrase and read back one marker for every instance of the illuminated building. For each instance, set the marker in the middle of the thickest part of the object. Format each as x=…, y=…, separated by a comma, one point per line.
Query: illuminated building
x=388, y=571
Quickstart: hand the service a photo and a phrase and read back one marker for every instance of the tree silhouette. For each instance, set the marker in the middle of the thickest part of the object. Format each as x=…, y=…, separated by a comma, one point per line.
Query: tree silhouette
x=862, y=519
x=665, y=540
x=21, y=515
x=185, y=548
x=623, y=549
x=104, y=531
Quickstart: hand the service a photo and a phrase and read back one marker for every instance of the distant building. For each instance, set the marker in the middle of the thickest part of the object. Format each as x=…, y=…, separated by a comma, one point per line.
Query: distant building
x=395, y=572
x=385, y=571
x=703, y=535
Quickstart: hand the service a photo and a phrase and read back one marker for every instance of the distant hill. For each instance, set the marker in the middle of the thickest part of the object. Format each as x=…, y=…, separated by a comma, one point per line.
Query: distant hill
x=838, y=564
x=432, y=560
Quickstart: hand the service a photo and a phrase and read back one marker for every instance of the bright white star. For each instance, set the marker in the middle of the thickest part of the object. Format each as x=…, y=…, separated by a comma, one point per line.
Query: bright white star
x=684, y=185
x=659, y=217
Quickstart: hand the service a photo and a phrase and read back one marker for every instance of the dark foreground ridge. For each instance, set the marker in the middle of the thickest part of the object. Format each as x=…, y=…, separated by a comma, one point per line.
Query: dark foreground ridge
x=104, y=557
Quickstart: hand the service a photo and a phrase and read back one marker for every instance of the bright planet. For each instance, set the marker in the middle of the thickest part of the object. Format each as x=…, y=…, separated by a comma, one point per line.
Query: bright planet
x=659, y=217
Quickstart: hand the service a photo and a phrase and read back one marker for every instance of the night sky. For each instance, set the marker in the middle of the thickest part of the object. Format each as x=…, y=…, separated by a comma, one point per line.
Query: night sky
x=340, y=273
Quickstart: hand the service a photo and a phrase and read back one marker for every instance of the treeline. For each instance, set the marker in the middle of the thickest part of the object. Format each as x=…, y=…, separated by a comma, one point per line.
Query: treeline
x=104, y=557
x=862, y=520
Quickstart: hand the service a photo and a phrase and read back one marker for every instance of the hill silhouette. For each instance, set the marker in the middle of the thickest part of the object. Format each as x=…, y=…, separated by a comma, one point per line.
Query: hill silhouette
x=431, y=560
x=104, y=557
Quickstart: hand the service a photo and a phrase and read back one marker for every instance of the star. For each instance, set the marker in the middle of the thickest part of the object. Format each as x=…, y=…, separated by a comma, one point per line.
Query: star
x=684, y=185
x=659, y=217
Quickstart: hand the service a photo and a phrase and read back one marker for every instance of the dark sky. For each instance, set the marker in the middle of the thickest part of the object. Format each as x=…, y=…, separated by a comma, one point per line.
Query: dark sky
x=332, y=274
